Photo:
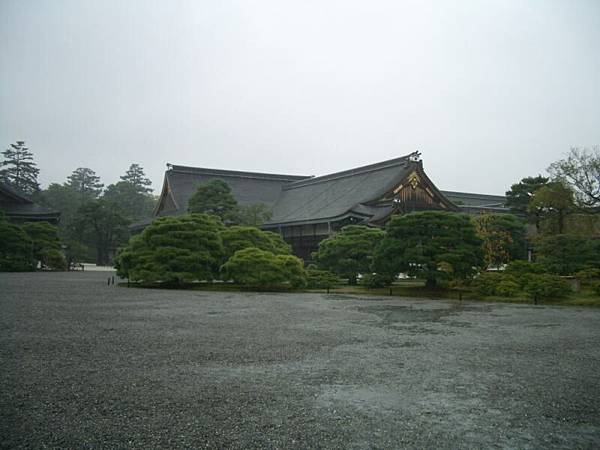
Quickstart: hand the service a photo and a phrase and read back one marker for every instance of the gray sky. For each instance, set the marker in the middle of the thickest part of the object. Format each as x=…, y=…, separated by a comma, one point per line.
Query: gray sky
x=489, y=91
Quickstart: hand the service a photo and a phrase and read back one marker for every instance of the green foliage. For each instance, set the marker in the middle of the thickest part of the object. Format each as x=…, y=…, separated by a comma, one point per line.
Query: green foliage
x=596, y=287
x=18, y=169
x=581, y=169
x=320, y=279
x=507, y=287
x=15, y=248
x=174, y=250
x=588, y=276
x=85, y=183
x=546, y=286
x=503, y=237
x=350, y=251
x=433, y=245
x=136, y=178
x=253, y=215
x=214, y=198
x=519, y=195
x=134, y=203
x=486, y=283
x=551, y=204
x=565, y=254
x=376, y=280
x=520, y=267
x=252, y=267
x=104, y=225
x=54, y=259
x=239, y=237
x=44, y=239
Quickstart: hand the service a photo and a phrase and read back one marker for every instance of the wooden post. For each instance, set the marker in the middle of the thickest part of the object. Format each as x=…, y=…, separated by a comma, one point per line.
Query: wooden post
x=108, y=281
x=113, y=279
x=390, y=291
x=328, y=289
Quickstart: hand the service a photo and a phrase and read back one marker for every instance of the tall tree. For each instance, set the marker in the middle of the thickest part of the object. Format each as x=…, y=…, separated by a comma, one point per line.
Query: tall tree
x=103, y=225
x=137, y=178
x=214, y=198
x=519, y=195
x=581, y=169
x=44, y=238
x=19, y=170
x=552, y=203
x=503, y=237
x=136, y=205
x=85, y=182
x=350, y=251
x=432, y=245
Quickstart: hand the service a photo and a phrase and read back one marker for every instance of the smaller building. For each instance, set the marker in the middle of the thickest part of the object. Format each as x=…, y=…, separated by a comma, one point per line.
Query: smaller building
x=19, y=208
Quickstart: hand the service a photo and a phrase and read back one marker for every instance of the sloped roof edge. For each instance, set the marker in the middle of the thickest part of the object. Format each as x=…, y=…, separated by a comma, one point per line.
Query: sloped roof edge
x=236, y=173
x=350, y=172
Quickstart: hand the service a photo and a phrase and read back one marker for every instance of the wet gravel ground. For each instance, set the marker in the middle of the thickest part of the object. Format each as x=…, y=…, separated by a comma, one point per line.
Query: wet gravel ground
x=85, y=365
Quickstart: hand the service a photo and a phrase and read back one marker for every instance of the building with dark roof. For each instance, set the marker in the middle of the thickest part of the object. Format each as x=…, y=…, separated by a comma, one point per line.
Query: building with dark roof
x=307, y=209
x=19, y=208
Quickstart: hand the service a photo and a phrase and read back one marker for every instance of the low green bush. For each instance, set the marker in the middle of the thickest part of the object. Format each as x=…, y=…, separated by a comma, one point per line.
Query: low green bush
x=546, y=286
x=375, y=280
x=320, y=279
x=596, y=287
x=486, y=283
x=520, y=267
x=507, y=287
x=54, y=259
x=588, y=276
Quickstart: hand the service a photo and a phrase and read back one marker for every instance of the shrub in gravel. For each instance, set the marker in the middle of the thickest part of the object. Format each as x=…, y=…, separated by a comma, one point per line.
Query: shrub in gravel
x=486, y=282
x=507, y=288
x=54, y=259
x=320, y=279
x=255, y=268
x=238, y=238
x=546, y=286
x=174, y=250
x=376, y=280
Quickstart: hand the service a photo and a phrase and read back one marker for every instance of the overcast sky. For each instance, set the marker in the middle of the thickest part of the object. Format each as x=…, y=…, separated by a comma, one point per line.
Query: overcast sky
x=488, y=91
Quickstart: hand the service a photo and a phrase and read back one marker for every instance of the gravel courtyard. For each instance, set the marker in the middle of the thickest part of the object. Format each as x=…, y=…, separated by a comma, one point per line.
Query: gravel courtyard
x=86, y=365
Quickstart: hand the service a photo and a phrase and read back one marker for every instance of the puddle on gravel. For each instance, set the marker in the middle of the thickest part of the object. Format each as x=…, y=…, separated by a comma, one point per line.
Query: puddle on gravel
x=391, y=315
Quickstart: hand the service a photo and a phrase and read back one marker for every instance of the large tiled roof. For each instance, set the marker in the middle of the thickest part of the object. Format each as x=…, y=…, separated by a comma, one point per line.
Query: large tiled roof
x=17, y=205
x=337, y=194
x=477, y=203
x=246, y=187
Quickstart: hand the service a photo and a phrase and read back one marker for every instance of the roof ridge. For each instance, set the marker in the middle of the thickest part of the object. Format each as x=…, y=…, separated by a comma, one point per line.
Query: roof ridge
x=224, y=172
x=473, y=193
x=7, y=188
x=350, y=172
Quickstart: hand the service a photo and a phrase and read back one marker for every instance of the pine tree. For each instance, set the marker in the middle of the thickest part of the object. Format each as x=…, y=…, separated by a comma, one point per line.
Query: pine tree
x=85, y=182
x=136, y=177
x=19, y=170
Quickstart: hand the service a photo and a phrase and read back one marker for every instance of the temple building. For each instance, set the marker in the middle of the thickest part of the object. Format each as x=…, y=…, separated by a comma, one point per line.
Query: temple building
x=307, y=209
x=19, y=208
